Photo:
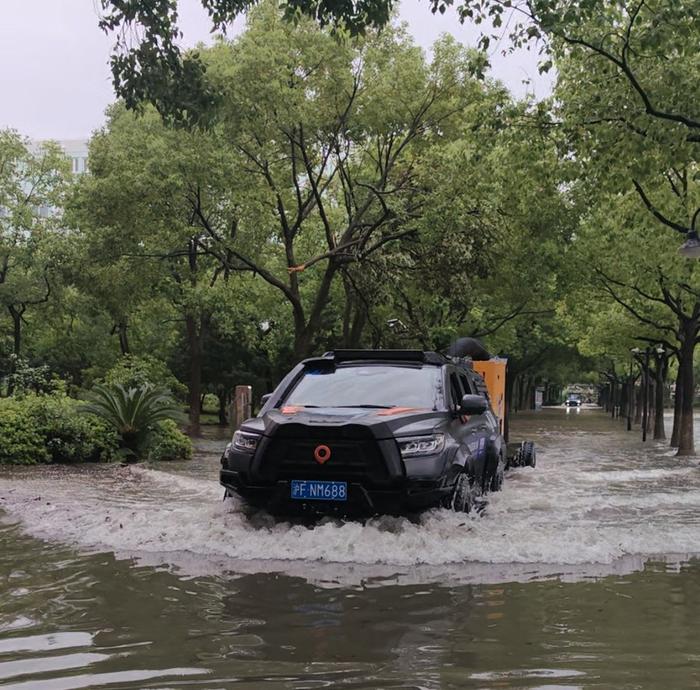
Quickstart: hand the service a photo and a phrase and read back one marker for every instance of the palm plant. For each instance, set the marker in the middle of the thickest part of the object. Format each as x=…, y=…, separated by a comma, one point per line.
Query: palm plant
x=132, y=412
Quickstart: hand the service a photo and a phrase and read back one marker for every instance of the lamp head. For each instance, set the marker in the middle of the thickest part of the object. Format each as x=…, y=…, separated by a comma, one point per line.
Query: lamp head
x=690, y=249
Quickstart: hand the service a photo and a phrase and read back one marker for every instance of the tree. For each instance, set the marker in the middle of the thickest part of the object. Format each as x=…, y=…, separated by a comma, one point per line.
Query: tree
x=635, y=167
x=650, y=285
x=494, y=237
x=32, y=185
x=335, y=142
x=635, y=37
x=141, y=240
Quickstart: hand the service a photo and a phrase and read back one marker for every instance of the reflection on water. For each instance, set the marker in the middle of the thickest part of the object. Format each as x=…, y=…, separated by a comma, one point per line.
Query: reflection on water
x=146, y=579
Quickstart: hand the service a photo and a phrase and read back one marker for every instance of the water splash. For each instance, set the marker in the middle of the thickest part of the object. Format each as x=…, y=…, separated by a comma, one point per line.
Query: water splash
x=596, y=497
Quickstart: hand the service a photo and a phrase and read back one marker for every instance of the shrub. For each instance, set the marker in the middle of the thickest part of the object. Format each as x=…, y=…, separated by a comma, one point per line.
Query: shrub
x=211, y=403
x=69, y=434
x=167, y=442
x=133, y=413
x=27, y=379
x=137, y=372
x=50, y=429
x=20, y=441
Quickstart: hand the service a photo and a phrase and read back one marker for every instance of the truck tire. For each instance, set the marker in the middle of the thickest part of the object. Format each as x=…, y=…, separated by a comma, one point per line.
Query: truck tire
x=462, y=498
x=497, y=479
x=528, y=456
x=525, y=456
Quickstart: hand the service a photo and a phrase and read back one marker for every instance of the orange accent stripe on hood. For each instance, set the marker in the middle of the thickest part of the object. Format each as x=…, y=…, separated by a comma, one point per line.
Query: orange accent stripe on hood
x=291, y=409
x=398, y=410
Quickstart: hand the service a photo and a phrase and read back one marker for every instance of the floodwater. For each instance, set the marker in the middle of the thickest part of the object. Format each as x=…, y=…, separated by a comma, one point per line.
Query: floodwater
x=581, y=573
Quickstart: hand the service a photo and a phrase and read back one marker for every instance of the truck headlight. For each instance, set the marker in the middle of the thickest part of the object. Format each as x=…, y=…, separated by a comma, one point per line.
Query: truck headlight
x=421, y=445
x=245, y=441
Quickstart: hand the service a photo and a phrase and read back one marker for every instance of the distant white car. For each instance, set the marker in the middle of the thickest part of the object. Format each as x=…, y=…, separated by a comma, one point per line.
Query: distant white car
x=573, y=401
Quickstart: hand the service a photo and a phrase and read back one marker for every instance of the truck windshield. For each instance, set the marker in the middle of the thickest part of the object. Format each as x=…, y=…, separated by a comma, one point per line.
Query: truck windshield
x=367, y=386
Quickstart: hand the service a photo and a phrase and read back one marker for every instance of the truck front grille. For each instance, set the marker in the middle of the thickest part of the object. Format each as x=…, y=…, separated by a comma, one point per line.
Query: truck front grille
x=355, y=455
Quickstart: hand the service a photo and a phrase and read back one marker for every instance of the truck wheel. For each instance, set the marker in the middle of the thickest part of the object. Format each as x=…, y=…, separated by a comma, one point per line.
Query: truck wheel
x=497, y=479
x=525, y=455
x=462, y=498
x=528, y=457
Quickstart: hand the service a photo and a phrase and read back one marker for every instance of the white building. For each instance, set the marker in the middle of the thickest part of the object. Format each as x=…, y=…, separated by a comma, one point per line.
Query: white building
x=75, y=149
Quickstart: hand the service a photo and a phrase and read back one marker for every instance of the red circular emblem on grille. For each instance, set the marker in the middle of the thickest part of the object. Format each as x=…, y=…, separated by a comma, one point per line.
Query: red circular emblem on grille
x=322, y=454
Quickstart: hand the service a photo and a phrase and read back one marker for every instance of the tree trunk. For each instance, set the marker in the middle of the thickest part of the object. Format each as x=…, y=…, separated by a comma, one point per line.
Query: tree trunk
x=358, y=326
x=677, y=404
x=686, y=442
x=123, y=339
x=613, y=396
x=304, y=333
x=524, y=387
x=221, y=394
x=16, y=329
x=630, y=402
x=522, y=384
x=659, y=384
x=639, y=394
x=347, y=312
x=194, y=344
x=533, y=393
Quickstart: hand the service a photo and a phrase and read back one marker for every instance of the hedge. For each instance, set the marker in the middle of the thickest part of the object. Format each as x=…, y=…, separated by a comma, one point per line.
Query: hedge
x=37, y=429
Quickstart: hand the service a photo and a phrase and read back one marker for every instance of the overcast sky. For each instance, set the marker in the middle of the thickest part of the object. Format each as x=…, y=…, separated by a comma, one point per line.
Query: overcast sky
x=54, y=73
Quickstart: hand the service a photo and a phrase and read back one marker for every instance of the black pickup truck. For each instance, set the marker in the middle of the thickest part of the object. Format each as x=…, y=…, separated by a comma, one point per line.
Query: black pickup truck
x=362, y=432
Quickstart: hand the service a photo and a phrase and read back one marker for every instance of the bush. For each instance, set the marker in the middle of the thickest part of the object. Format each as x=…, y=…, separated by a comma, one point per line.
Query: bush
x=20, y=441
x=167, y=442
x=133, y=413
x=27, y=379
x=137, y=372
x=70, y=434
x=210, y=404
x=51, y=429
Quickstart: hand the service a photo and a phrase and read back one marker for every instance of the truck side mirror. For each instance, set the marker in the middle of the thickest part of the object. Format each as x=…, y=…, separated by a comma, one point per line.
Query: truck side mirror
x=473, y=404
x=264, y=399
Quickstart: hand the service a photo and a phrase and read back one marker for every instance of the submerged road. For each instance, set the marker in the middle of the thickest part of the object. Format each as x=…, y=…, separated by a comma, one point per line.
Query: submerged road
x=581, y=573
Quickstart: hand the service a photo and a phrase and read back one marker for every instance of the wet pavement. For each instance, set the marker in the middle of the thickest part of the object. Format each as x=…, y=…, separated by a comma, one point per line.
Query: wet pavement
x=581, y=573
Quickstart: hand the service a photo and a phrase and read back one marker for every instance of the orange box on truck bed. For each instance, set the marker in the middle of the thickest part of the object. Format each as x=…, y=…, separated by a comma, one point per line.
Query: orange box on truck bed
x=494, y=372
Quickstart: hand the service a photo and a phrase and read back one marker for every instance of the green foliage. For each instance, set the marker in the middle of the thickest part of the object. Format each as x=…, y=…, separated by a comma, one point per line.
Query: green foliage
x=26, y=378
x=152, y=68
x=131, y=371
x=210, y=403
x=20, y=441
x=167, y=442
x=51, y=429
x=31, y=182
x=70, y=436
x=343, y=181
x=132, y=413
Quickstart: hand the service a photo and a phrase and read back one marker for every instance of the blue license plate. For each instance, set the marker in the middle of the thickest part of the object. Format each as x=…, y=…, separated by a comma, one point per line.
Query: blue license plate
x=307, y=490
